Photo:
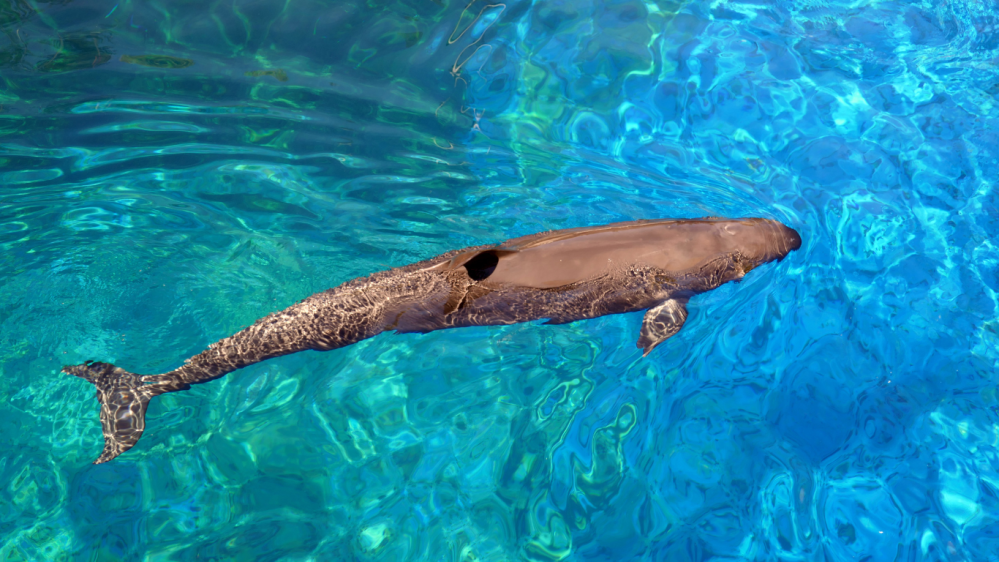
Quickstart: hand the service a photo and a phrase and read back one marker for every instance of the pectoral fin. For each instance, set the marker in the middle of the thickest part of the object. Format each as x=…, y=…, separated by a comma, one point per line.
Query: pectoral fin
x=661, y=322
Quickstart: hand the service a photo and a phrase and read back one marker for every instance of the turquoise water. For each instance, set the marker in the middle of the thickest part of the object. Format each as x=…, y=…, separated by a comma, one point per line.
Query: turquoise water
x=172, y=171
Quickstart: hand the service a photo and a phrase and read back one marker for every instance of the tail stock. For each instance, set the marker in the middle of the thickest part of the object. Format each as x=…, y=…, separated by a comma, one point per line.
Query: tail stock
x=124, y=397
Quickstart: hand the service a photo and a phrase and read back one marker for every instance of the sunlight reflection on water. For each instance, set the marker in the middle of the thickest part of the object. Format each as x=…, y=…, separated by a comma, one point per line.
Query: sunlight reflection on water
x=838, y=404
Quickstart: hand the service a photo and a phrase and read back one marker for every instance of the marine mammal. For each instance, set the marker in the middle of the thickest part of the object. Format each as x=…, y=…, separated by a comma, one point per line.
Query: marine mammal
x=561, y=275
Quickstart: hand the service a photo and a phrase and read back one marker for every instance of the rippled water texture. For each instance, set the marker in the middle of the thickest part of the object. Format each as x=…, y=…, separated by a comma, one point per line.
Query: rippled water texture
x=173, y=170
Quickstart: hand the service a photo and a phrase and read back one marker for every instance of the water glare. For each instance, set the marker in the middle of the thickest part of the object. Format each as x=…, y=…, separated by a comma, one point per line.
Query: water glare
x=172, y=171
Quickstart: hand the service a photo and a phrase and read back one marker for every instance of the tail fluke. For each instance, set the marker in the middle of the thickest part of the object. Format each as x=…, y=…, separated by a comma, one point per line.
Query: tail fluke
x=124, y=398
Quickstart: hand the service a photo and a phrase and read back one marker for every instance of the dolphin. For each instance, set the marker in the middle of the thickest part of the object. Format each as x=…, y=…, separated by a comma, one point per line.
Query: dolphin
x=560, y=275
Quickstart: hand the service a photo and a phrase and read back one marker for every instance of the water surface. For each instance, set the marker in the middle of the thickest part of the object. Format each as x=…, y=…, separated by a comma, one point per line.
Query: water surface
x=172, y=171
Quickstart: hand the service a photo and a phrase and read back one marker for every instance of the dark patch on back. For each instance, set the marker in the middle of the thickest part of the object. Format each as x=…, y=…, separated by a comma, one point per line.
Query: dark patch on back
x=454, y=301
x=482, y=266
x=474, y=292
x=457, y=301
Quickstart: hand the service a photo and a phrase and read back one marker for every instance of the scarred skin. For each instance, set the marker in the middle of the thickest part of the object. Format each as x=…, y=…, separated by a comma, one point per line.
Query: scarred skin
x=563, y=275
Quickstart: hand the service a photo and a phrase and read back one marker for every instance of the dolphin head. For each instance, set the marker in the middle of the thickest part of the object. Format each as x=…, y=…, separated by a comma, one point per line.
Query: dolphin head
x=757, y=241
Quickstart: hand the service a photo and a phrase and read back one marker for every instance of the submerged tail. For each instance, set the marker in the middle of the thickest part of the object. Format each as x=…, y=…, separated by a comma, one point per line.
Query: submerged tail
x=124, y=398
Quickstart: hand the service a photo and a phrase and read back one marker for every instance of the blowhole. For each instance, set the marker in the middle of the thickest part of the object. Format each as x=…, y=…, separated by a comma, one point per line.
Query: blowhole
x=482, y=266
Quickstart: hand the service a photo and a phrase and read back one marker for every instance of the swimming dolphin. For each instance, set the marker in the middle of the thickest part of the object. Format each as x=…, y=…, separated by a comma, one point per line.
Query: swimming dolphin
x=561, y=275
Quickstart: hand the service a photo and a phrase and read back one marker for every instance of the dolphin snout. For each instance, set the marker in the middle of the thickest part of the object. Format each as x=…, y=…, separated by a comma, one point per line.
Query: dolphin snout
x=781, y=240
x=792, y=237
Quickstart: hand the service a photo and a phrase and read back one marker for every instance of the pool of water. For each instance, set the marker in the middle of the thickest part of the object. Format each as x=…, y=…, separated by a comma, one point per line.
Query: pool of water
x=170, y=171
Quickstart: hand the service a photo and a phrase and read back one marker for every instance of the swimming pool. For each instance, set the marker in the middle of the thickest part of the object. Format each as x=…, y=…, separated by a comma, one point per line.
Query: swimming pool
x=172, y=171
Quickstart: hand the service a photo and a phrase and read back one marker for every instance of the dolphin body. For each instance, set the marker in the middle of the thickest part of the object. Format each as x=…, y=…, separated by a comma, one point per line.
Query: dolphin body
x=561, y=275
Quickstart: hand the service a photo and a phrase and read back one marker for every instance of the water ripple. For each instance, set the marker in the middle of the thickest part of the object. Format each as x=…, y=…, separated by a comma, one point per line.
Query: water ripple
x=837, y=405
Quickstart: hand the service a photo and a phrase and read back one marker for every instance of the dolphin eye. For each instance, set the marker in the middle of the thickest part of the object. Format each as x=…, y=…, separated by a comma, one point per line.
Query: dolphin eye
x=482, y=265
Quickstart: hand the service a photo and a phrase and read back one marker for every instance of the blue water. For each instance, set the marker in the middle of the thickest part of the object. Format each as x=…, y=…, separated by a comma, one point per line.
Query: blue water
x=170, y=171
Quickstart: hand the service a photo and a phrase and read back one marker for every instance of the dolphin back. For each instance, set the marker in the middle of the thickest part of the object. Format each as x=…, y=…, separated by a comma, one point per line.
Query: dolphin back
x=562, y=257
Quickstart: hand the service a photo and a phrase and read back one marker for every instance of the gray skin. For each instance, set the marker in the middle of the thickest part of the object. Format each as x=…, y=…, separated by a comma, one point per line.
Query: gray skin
x=562, y=275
